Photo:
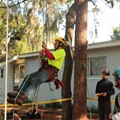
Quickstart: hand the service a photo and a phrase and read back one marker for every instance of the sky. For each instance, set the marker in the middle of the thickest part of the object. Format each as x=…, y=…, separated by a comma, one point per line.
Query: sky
x=107, y=18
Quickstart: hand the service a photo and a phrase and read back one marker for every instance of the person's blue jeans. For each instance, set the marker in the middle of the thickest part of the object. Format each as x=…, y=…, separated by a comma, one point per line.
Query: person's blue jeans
x=31, y=81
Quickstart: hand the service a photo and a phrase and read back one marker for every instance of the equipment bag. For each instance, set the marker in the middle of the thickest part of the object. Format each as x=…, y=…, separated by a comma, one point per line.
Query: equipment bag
x=31, y=114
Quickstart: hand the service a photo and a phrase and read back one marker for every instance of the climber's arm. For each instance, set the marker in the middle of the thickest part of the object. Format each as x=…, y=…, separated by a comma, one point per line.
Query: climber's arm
x=47, y=52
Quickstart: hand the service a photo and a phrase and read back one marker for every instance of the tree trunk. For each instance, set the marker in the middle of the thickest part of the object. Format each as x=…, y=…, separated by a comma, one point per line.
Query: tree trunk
x=80, y=82
x=66, y=90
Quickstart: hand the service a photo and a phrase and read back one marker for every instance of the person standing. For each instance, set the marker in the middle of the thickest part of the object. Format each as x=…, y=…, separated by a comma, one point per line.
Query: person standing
x=104, y=90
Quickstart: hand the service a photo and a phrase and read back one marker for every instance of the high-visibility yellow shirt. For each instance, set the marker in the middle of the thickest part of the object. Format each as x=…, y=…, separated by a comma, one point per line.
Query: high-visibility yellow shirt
x=59, y=56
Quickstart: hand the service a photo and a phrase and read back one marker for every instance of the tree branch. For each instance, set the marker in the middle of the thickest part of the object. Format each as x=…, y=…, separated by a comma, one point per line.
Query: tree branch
x=110, y=2
x=18, y=3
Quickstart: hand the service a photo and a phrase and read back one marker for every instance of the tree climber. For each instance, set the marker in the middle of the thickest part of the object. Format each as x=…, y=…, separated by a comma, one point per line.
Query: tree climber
x=49, y=71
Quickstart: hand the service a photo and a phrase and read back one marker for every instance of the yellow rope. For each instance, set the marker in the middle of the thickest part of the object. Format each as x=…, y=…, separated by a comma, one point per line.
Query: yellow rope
x=53, y=101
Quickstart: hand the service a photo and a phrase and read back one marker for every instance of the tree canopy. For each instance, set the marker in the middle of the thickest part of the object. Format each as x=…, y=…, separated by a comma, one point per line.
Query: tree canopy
x=116, y=33
x=29, y=23
x=32, y=21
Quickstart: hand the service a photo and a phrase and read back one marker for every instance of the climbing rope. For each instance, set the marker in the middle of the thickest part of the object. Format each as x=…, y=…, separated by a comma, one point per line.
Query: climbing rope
x=51, y=87
x=36, y=91
x=6, y=61
x=26, y=79
x=34, y=98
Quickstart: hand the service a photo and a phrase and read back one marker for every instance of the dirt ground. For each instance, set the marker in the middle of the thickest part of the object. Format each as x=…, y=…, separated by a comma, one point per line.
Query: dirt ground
x=47, y=113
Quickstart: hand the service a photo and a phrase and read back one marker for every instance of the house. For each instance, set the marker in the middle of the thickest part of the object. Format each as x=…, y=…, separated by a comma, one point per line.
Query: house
x=99, y=56
x=18, y=67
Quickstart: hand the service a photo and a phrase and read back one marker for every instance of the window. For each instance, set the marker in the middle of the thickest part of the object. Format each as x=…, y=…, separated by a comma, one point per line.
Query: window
x=2, y=71
x=96, y=65
x=19, y=73
x=22, y=71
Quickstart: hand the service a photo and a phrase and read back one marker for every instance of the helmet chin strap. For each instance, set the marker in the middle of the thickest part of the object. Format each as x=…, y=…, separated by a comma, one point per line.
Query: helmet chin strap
x=58, y=45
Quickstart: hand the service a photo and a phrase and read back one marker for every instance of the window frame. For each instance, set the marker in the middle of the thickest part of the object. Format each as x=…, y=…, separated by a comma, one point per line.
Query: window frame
x=100, y=67
x=22, y=71
x=2, y=72
x=18, y=71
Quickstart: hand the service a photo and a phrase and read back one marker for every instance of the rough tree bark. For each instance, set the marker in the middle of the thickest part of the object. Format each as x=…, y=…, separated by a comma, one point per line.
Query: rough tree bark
x=80, y=55
x=66, y=90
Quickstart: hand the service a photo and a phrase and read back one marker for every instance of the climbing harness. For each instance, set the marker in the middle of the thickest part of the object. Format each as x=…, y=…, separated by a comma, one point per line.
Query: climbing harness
x=53, y=76
x=56, y=82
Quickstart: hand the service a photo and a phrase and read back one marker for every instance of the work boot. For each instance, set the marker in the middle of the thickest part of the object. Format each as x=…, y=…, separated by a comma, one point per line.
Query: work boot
x=23, y=96
x=13, y=101
x=12, y=94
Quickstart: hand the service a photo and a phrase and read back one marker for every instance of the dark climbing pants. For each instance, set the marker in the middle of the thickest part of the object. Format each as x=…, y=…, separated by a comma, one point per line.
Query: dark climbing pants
x=104, y=109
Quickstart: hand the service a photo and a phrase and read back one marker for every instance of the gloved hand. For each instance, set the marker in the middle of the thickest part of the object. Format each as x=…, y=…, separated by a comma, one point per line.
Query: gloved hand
x=44, y=45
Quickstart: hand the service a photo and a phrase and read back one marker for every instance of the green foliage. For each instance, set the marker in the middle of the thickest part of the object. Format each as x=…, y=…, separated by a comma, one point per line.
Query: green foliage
x=21, y=47
x=2, y=29
x=29, y=23
x=116, y=33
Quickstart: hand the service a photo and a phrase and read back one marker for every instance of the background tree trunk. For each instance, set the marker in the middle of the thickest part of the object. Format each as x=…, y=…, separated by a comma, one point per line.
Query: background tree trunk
x=80, y=82
x=66, y=90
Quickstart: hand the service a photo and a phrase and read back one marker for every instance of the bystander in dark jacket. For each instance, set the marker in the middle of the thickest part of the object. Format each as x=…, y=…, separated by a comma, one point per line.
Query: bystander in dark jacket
x=104, y=90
